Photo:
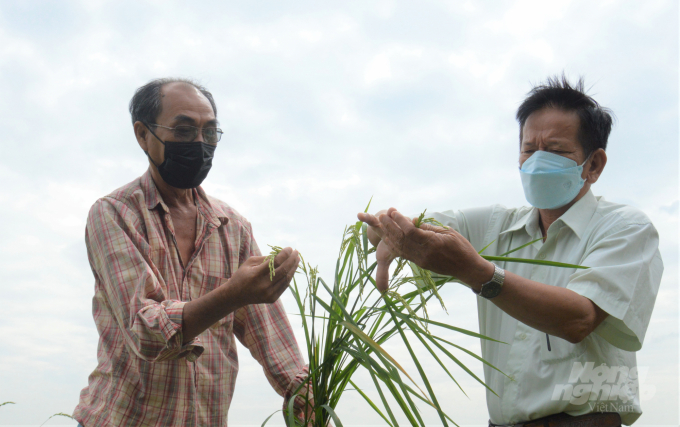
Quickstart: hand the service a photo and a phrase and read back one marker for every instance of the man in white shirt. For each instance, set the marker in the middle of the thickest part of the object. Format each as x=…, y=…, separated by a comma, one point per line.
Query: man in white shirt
x=571, y=334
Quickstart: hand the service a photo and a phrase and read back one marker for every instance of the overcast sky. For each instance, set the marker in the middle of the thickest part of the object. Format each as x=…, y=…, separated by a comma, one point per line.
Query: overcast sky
x=323, y=106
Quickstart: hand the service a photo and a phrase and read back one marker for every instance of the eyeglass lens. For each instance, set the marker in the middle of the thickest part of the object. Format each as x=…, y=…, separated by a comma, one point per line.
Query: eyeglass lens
x=189, y=133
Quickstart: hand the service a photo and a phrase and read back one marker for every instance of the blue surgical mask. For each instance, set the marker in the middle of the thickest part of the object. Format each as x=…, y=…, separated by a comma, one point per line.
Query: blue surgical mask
x=551, y=181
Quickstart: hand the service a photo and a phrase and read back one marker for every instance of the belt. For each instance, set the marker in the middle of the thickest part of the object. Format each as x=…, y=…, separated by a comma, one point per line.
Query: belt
x=594, y=419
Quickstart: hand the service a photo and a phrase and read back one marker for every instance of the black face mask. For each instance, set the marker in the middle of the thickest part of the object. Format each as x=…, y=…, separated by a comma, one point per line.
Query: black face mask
x=186, y=164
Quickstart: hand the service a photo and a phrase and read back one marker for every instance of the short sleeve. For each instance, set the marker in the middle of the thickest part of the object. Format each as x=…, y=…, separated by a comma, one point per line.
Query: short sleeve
x=473, y=224
x=623, y=279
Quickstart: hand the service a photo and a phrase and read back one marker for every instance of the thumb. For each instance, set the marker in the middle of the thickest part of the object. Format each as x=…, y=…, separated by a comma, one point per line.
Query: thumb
x=254, y=260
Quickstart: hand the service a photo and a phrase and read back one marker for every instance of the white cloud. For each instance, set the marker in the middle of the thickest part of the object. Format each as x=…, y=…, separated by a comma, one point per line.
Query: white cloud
x=378, y=69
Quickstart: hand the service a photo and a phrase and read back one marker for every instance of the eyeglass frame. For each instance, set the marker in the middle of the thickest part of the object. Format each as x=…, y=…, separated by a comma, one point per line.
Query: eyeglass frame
x=218, y=132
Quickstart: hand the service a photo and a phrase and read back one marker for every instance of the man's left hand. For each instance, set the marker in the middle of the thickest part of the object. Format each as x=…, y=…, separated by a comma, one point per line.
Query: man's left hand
x=438, y=249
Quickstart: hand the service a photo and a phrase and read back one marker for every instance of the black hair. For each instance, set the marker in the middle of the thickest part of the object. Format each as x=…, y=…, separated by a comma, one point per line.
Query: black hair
x=145, y=105
x=595, y=121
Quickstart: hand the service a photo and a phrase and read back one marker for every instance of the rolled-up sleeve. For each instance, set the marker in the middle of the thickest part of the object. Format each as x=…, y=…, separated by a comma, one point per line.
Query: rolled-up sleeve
x=131, y=288
x=623, y=280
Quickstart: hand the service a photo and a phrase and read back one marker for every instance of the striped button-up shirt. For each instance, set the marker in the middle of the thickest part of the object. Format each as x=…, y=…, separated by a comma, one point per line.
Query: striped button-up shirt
x=145, y=376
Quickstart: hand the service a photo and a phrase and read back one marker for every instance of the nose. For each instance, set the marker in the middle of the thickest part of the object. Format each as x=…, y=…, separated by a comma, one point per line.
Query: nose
x=199, y=136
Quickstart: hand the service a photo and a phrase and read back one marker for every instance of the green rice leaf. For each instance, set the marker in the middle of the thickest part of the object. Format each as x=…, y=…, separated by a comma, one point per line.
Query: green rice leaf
x=485, y=247
x=521, y=247
x=481, y=359
x=532, y=261
x=459, y=363
x=269, y=417
x=333, y=415
x=418, y=333
x=58, y=414
x=376, y=347
x=291, y=412
x=370, y=402
x=423, y=376
x=453, y=328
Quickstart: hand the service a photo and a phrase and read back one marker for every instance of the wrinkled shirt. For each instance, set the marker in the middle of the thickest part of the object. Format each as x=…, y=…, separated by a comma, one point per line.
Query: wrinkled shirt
x=598, y=374
x=144, y=375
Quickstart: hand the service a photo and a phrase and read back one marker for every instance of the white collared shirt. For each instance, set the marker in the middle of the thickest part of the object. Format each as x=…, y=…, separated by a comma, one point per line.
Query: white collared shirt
x=620, y=245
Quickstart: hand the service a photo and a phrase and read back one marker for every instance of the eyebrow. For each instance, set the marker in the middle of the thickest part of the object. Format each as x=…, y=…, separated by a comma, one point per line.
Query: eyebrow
x=181, y=118
x=549, y=143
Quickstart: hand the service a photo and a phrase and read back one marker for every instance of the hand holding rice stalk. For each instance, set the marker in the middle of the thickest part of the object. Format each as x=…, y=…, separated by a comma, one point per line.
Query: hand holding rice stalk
x=347, y=323
x=429, y=245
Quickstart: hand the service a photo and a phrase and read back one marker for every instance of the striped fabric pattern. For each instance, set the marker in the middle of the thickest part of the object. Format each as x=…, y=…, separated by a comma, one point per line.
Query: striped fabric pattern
x=144, y=375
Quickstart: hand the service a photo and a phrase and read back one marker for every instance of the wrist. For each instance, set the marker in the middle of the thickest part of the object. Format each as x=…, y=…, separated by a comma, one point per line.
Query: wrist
x=481, y=274
x=227, y=296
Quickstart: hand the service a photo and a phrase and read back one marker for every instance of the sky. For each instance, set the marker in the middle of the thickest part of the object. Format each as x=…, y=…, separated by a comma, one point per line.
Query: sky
x=324, y=105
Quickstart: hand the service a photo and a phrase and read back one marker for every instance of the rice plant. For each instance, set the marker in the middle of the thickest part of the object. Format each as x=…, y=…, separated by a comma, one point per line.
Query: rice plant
x=346, y=323
x=58, y=414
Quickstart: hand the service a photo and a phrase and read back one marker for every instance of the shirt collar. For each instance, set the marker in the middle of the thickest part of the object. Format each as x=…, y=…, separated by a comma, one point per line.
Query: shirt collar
x=529, y=221
x=577, y=217
x=213, y=213
x=151, y=194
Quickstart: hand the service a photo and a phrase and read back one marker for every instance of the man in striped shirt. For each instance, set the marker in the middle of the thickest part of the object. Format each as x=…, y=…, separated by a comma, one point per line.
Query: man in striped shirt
x=178, y=274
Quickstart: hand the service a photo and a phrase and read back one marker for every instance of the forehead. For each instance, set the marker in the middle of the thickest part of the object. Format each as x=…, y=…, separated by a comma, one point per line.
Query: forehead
x=551, y=125
x=182, y=99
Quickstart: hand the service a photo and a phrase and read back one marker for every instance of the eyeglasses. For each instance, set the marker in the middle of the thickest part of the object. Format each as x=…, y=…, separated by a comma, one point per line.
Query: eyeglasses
x=185, y=133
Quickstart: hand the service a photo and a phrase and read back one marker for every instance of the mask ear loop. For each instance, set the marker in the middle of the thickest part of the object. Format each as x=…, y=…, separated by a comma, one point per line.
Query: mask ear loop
x=146, y=152
x=588, y=158
x=586, y=161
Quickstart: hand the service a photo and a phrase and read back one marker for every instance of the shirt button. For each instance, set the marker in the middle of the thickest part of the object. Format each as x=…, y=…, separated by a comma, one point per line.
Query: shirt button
x=541, y=256
x=512, y=377
x=522, y=336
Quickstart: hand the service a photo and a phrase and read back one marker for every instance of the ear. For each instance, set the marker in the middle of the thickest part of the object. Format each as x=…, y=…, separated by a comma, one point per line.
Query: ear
x=593, y=169
x=141, y=133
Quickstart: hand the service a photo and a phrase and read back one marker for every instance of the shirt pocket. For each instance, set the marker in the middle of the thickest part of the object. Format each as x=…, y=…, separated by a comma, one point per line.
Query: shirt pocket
x=555, y=349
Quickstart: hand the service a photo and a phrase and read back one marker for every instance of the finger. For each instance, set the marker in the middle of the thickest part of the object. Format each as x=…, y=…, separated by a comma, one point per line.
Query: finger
x=289, y=269
x=434, y=228
x=403, y=222
x=410, y=231
x=393, y=235
x=293, y=269
x=382, y=275
x=286, y=270
x=368, y=219
x=374, y=235
x=374, y=232
x=282, y=256
x=254, y=260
